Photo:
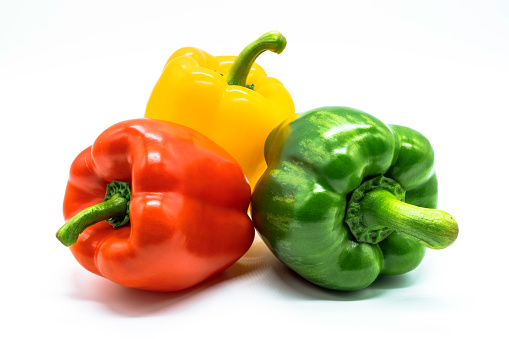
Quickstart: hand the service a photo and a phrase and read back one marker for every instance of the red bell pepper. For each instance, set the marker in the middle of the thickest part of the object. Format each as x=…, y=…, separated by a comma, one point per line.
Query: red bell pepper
x=177, y=202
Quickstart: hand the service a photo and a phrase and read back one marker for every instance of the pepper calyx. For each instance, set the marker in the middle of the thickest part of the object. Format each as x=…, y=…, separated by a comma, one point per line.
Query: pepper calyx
x=372, y=233
x=116, y=188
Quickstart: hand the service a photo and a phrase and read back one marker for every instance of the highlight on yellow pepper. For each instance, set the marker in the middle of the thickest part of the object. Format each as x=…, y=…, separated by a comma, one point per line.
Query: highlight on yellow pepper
x=231, y=100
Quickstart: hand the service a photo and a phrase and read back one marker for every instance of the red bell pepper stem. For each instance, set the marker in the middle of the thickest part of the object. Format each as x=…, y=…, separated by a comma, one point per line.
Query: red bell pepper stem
x=114, y=209
x=271, y=41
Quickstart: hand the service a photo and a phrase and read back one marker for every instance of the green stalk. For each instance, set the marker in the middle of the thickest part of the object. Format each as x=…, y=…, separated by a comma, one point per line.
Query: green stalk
x=376, y=209
x=433, y=228
x=272, y=41
x=115, y=210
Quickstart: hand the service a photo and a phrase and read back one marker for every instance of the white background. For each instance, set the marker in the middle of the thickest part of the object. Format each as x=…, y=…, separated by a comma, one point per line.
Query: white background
x=68, y=70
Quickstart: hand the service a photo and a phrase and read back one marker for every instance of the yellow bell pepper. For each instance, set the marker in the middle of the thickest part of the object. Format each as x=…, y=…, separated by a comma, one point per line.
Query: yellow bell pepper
x=210, y=95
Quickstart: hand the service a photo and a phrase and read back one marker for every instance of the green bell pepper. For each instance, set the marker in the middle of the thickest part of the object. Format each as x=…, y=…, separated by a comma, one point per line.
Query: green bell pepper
x=346, y=197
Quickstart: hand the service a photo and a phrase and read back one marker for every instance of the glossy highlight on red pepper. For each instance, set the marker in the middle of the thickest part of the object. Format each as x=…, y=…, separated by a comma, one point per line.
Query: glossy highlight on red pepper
x=186, y=207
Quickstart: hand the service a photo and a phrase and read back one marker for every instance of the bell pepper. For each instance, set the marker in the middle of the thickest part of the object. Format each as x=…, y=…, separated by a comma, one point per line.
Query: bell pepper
x=156, y=206
x=229, y=99
x=346, y=197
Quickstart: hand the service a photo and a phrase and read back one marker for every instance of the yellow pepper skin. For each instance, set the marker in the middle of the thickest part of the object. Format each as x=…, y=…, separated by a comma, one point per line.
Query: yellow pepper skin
x=210, y=95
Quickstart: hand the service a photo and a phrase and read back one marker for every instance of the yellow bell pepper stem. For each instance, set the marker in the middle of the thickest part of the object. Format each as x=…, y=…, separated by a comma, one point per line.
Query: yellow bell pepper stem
x=209, y=94
x=272, y=41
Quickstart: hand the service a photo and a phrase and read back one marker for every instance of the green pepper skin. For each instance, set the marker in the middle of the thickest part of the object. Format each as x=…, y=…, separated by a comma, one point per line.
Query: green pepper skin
x=315, y=161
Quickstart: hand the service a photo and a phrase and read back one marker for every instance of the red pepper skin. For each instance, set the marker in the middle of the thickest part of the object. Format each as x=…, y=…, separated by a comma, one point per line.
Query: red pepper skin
x=188, y=212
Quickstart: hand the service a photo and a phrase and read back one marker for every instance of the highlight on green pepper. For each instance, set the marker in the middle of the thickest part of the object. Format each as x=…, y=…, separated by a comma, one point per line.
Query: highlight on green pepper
x=346, y=198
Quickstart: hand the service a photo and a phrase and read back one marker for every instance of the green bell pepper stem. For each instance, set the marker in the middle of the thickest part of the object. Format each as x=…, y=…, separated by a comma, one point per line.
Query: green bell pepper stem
x=271, y=41
x=114, y=209
x=433, y=228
